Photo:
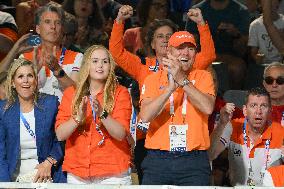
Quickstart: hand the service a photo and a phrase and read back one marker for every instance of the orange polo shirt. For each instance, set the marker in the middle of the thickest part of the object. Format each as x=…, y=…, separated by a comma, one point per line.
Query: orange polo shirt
x=131, y=63
x=233, y=139
x=83, y=156
x=158, y=133
x=277, y=174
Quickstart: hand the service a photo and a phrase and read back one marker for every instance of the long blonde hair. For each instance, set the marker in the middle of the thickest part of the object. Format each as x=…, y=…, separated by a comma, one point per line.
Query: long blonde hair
x=83, y=84
x=11, y=93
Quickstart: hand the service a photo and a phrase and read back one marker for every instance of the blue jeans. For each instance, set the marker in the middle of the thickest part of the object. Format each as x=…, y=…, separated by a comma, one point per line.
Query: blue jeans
x=176, y=168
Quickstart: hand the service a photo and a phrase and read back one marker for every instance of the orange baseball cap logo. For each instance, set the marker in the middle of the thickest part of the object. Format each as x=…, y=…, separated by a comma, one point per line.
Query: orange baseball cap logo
x=181, y=37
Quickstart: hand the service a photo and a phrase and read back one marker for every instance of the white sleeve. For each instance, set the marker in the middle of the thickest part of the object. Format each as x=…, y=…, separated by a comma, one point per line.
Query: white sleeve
x=77, y=62
x=226, y=135
x=252, y=39
x=267, y=179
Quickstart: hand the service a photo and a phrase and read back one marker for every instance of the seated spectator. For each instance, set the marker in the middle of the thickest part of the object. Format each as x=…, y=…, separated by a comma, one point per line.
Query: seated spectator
x=95, y=126
x=29, y=150
x=3, y=78
x=275, y=35
x=274, y=83
x=90, y=22
x=229, y=23
x=58, y=67
x=253, y=142
x=262, y=49
x=8, y=33
x=157, y=38
x=147, y=12
x=182, y=97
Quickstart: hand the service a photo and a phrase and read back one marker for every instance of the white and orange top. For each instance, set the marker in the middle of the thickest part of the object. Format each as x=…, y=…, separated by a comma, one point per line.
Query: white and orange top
x=245, y=157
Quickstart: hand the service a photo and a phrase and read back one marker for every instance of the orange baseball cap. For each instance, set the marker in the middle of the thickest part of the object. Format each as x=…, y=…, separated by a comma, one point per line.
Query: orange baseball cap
x=181, y=37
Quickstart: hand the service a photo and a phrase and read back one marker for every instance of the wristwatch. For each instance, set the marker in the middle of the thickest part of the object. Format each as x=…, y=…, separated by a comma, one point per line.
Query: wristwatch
x=103, y=115
x=184, y=82
x=60, y=73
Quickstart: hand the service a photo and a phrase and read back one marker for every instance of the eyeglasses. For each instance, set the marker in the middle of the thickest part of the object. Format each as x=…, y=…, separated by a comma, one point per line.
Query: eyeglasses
x=162, y=36
x=270, y=80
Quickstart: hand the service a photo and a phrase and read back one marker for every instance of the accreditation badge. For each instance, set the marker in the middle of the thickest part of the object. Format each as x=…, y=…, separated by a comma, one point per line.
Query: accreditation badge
x=177, y=134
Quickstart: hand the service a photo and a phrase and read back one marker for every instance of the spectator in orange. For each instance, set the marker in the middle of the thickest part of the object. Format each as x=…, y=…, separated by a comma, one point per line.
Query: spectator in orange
x=254, y=142
x=96, y=124
x=183, y=97
x=157, y=40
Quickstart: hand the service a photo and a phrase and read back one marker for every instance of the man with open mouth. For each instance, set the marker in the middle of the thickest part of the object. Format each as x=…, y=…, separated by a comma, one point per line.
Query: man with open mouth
x=182, y=97
x=254, y=142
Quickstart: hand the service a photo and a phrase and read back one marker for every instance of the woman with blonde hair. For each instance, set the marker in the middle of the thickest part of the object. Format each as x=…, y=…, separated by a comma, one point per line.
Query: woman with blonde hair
x=96, y=124
x=29, y=150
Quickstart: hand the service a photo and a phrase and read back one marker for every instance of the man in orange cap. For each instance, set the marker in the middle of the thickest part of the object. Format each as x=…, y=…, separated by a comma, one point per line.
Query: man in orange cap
x=179, y=97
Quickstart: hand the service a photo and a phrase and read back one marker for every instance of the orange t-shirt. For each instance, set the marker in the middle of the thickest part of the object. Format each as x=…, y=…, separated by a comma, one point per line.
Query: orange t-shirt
x=277, y=174
x=197, y=133
x=83, y=156
x=131, y=63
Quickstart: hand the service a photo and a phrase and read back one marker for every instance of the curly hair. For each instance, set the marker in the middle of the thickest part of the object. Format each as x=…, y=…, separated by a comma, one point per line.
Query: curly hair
x=83, y=83
x=156, y=24
x=11, y=92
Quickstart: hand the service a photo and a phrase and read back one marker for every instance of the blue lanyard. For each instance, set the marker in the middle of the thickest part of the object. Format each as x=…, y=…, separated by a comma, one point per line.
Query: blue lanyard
x=154, y=68
x=133, y=119
x=97, y=126
x=267, y=144
x=61, y=58
x=27, y=125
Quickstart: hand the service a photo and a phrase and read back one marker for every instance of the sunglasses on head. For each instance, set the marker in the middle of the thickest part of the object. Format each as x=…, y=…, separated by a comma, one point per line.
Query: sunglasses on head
x=270, y=80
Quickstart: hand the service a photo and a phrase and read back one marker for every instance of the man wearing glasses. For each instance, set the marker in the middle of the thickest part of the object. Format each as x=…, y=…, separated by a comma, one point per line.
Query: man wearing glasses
x=274, y=84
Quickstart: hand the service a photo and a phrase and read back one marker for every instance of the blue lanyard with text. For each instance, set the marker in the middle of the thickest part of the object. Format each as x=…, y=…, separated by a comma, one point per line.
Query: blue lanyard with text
x=267, y=144
x=156, y=67
x=27, y=125
x=61, y=58
x=97, y=126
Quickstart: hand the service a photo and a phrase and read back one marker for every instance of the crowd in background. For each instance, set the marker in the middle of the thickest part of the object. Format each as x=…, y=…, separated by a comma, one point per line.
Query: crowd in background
x=96, y=91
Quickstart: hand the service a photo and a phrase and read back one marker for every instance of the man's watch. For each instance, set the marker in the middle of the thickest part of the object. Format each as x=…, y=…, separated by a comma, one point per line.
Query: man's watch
x=184, y=82
x=60, y=73
x=103, y=115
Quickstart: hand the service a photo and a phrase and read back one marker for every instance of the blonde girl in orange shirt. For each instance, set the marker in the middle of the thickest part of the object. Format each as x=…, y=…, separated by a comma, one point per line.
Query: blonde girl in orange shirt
x=96, y=124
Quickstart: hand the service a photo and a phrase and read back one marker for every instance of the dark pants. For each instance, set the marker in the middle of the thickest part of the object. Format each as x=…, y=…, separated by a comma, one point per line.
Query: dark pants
x=139, y=155
x=176, y=168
